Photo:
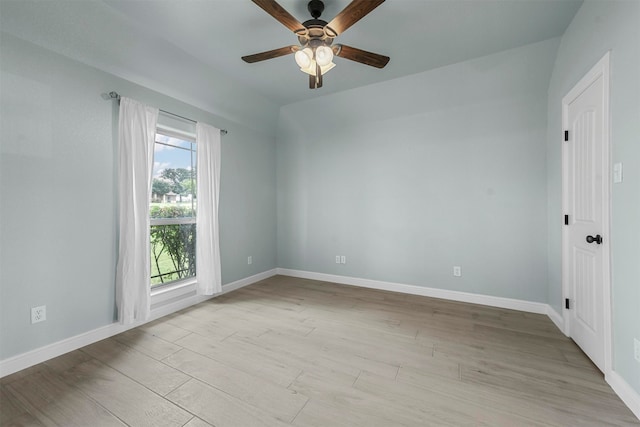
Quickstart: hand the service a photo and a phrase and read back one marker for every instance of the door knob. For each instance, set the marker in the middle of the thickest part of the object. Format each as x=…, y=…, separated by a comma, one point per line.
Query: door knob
x=597, y=239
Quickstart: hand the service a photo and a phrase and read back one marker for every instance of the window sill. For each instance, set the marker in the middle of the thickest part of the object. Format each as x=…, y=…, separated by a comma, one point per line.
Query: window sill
x=170, y=293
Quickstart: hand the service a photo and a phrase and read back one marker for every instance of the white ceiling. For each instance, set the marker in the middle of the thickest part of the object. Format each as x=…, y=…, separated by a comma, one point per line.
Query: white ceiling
x=121, y=36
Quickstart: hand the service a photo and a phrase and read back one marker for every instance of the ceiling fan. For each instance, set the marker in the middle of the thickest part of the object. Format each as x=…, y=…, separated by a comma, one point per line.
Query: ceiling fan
x=315, y=53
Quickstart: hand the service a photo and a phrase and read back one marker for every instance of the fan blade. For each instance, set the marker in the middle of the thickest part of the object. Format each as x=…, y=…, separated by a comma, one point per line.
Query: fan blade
x=281, y=15
x=355, y=11
x=359, y=55
x=312, y=82
x=263, y=56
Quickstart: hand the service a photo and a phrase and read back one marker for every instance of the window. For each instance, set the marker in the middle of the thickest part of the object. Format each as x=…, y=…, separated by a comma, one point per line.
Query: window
x=182, y=206
x=172, y=209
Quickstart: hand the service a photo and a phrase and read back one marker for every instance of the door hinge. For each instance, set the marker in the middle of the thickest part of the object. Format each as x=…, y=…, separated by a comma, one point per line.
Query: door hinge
x=566, y=303
x=566, y=220
x=566, y=135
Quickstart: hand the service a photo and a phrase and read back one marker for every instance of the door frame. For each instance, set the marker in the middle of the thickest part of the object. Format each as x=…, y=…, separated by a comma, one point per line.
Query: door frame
x=601, y=69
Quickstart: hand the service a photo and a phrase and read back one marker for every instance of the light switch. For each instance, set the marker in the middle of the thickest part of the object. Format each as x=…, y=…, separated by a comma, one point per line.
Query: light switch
x=617, y=173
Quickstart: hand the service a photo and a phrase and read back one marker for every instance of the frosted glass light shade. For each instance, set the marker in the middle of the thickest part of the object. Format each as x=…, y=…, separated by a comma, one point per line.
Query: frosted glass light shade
x=324, y=55
x=304, y=57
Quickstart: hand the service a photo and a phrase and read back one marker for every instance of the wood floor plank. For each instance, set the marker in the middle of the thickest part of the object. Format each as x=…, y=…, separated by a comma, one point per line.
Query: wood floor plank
x=147, y=343
x=294, y=354
x=252, y=318
x=431, y=406
x=586, y=403
x=390, y=351
x=260, y=297
x=472, y=352
x=490, y=399
x=206, y=326
x=54, y=403
x=366, y=321
x=162, y=329
x=523, y=341
x=67, y=361
x=319, y=413
x=154, y=375
x=267, y=396
x=341, y=400
x=219, y=408
x=12, y=412
x=22, y=374
x=116, y=392
x=197, y=422
x=471, y=349
x=319, y=352
x=250, y=358
x=24, y=420
x=348, y=330
x=433, y=367
x=549, y=372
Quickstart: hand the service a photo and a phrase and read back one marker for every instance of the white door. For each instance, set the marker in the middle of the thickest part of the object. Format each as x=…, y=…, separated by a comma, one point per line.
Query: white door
x=586, y=198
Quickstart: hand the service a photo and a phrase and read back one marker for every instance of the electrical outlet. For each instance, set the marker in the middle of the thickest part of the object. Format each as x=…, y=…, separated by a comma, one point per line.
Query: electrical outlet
x=337, y=259
x=636, y=349
x=343, y=259
x=38, y=314
x=249, y=260
x=457, y=271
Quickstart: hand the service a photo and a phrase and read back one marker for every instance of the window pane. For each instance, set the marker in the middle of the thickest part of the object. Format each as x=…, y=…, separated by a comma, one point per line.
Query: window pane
x=173, y=252
x=174, y=178
x=173, y=201
x=169, y=140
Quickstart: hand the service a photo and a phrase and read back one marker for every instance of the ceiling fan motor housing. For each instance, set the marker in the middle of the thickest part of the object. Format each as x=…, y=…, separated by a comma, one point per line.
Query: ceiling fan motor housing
x=316, y=35
x=315, y=31
x=315, y=8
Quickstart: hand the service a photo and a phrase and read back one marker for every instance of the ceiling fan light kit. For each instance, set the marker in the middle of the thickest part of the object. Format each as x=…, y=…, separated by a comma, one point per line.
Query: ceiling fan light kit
x=315, y=53
x=324, y=55
x=304, y=57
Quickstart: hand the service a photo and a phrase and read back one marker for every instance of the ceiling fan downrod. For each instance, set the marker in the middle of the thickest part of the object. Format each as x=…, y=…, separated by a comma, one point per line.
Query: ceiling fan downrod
x=315, y=8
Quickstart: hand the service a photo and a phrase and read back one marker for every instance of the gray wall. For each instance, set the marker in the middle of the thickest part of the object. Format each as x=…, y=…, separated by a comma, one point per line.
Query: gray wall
x=412, y=176
x=598, y=27
x=58, y=199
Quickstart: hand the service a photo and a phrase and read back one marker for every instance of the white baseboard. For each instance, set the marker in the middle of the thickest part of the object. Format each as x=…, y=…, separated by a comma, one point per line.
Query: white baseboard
x=556, y=318
x=248, y=281
x=42, y=354
x=513, y=304
x=629, y=396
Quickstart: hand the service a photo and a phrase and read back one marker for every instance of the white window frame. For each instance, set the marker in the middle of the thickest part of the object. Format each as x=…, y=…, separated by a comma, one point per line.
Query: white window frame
x=177, y=289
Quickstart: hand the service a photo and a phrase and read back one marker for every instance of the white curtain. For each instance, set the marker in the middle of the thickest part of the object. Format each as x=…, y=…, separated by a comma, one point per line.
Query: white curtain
x=136, y=135
x=208, y=271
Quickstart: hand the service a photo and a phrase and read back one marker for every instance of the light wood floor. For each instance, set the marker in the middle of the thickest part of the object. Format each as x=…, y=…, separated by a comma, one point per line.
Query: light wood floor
x=298, y=352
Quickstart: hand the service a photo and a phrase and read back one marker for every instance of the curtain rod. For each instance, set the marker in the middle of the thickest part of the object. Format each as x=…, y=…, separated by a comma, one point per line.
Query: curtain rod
x=114, y=95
